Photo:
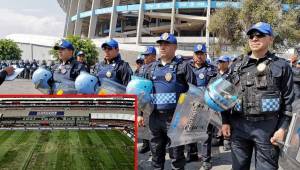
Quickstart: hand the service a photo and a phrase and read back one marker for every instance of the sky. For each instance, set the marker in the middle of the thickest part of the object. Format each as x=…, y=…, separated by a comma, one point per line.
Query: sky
x=41, y=17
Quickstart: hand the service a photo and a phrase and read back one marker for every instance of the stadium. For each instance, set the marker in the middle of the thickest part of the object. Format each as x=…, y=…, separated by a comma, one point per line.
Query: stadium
x=67, y=133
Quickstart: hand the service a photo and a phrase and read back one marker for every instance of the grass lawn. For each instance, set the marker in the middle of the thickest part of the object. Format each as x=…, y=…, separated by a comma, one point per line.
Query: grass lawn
x=90, y=149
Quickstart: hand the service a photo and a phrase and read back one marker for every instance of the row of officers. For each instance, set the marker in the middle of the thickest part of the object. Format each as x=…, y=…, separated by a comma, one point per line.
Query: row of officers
x=255, y=124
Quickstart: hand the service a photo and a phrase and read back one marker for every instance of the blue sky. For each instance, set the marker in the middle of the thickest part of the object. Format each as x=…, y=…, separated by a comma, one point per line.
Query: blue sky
x=42, y=17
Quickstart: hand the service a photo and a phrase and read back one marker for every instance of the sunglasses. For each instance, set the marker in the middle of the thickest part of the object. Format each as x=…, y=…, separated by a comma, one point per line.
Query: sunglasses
x=257, y=35
x=107, y=48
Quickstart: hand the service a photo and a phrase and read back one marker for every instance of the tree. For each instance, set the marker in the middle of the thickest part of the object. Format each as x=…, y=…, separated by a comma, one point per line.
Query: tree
x=85, y=45
x=231, y=26
x=9, y=50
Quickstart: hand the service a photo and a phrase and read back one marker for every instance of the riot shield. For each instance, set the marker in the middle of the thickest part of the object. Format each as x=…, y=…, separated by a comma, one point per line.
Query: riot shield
x=111, y=87
x=290, y=153
x=67, y=87
x=142, y=88
x=216, y=119
x=191, y=118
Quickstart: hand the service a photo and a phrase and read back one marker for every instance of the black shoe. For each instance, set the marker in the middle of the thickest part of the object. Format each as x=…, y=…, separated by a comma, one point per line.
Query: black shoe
x=192, y=158
x=207, y=165
x=144, y=149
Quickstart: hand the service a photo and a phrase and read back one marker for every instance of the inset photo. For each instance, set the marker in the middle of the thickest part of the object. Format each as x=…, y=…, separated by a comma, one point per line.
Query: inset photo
x=73, y=132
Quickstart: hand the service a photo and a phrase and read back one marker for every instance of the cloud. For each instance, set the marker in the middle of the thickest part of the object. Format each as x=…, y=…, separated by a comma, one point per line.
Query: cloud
x=13, y=22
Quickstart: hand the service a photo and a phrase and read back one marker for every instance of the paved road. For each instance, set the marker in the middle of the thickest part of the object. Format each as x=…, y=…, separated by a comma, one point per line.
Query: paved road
x=18, y=86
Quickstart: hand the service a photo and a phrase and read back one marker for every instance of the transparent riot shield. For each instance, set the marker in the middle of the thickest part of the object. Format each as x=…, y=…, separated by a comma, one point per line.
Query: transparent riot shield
x=290, y=153
x=111, y=87
x=191, y=118
x=67, y=87
x=142, y=88
x=216, y=119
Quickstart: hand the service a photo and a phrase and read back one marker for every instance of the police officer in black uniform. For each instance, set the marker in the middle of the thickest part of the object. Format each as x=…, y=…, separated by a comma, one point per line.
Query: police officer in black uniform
x=113, y=67
x=263, y=113
x=66, y=72
x=149, y=58
x=204, y=73
x=170, y=76
x=81, y=58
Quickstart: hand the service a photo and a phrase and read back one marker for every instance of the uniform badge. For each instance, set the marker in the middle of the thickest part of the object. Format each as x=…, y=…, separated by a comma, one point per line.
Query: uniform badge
x=199, y=47
x=261, y=67
x=168, y=76
x=165, y=36
x=108, y=74
x=63, y=71
x=201, y=76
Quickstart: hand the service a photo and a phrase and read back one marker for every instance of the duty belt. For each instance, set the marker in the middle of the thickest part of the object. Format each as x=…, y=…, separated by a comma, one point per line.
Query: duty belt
x=164, y=111
x=260, y=117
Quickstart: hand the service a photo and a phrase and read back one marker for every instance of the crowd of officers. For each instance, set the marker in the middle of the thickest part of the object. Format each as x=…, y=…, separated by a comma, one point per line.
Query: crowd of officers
x=261, y=117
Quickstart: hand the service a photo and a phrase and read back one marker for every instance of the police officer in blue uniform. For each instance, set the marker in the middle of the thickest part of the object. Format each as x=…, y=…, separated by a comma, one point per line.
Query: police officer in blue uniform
x=113, y=67
x=149, y=58
x=66, y=72
x=170, y=76
x=139, y=63
x=80, y=56
x=223, y=71
x=263, y=113
x=204, y=73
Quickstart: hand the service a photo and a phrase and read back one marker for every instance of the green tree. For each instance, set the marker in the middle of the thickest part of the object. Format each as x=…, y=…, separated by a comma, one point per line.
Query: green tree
x=230, y=24
x=85, y=45
x=9, y=50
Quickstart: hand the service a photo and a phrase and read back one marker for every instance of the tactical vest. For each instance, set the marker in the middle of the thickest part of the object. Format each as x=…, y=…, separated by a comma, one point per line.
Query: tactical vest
x=166, y=88
x=259, y=90
x=63, y=81
x=203, y=75
x=109, y=71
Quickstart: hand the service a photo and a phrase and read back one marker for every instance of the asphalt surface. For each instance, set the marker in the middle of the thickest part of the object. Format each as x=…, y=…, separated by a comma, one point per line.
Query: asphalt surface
x=18, y=86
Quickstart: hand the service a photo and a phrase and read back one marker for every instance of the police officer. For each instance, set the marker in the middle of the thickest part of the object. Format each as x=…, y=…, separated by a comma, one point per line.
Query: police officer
x=204, y=72
x=113, y=67
x=170, y=76
x=263, y=113
x=223, y=71
x=66, y=72
x=139, y=63
x=6, y=72
x=149, y=58
x=81, y=58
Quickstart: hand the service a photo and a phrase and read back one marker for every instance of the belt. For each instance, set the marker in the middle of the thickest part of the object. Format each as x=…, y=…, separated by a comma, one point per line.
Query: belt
x=164, y=111
x=260, y=117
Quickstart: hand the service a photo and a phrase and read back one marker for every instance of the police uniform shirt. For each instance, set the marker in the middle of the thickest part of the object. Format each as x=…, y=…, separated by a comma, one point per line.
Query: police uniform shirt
x=204, y=73
x=184, y=72
x=77, y=67
x=3, y=75
x=283, y=75
x=123, y=70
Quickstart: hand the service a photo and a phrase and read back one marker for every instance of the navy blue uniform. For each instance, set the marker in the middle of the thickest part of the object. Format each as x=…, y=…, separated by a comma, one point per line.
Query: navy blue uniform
x=3, y=75
x=264, y=106
x=203, y=75
x=117, y=70
x=64, y=76
x=168, y=81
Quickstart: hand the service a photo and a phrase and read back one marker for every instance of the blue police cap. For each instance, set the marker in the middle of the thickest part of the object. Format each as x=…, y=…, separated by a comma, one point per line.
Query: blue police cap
x=224, y=58
x=166, y=37
x=64, y=44
x=200, y=47
x=149, y=50
x=262, y=27
x=111, y=43
x=80, y=53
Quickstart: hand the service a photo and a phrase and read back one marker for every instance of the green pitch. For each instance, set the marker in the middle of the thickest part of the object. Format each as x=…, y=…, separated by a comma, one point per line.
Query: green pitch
x=91, y=149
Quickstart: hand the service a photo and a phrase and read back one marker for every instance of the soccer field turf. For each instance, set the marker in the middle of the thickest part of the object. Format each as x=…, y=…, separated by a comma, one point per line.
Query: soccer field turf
x=93, y=149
